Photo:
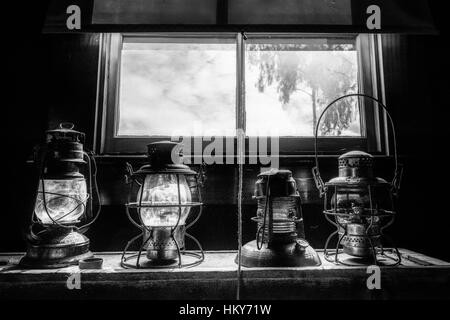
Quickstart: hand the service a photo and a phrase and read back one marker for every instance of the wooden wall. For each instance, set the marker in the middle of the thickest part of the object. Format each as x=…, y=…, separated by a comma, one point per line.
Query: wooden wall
x=245, y=15
x=54, y=79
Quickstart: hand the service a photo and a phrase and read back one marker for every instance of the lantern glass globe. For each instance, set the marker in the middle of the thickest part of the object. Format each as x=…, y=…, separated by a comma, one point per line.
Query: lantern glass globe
x=162, y=189
x=65, y=200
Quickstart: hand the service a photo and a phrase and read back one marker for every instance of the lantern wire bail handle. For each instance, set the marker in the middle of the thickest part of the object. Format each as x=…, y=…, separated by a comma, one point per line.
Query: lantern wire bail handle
x=260, y=233
x=398, y=168
x=92, y=167
x=201, y=175
x=129, y=172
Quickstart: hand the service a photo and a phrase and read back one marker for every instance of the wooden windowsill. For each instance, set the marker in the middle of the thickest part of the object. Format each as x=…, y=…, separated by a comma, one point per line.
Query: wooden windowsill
x=216, y=278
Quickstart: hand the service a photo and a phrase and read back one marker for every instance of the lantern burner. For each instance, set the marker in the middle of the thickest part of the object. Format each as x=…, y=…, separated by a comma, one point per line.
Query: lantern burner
x=162, y=245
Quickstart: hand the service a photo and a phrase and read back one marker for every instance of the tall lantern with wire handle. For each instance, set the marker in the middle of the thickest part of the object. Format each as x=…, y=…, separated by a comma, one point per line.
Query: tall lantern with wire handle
x=163, y=195
x=360, y=205
x=64, y=207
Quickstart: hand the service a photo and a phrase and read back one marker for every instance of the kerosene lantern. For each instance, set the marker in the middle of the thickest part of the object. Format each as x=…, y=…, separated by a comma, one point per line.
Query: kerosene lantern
x=360, y=205
x=163, y=194
x=64, y=206
x=280, y=234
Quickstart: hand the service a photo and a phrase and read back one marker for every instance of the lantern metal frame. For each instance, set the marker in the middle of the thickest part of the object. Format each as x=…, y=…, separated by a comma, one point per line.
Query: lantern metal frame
x=332, y=215
x=266, y=221
x=87, y=158
x=136, y=206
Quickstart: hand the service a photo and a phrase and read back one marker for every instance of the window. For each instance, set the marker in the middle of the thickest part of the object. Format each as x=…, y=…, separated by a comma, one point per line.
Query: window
x=159, y=86
x=171, y=87
x=289, y=81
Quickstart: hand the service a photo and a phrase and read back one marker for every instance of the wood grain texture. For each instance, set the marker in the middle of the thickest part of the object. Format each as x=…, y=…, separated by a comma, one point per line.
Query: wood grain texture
x=154, y=12
x=216, y=279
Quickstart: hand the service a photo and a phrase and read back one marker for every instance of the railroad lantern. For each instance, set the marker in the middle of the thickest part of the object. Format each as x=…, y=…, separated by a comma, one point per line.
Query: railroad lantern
x=163, y=193
x=360, y=205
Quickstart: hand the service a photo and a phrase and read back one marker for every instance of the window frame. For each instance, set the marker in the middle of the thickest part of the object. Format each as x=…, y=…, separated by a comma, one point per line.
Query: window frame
x=370, y=81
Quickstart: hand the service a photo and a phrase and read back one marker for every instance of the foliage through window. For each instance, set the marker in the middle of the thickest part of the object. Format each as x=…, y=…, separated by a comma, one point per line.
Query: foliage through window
x=288, y=84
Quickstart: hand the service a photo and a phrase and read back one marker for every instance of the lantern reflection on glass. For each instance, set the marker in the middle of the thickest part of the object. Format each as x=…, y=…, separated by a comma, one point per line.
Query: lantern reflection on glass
x=167, y=193
x=63, y=202
x=360, y=205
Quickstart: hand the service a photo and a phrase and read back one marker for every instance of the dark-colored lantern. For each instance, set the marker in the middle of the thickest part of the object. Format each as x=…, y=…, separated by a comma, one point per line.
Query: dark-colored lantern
x=280, y=234
x=360, y=205
x=163, y=194
x=64, y=204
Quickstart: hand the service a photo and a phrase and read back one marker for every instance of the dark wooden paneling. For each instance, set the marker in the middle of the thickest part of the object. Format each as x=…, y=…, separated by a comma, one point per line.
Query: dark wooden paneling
x=154, y=12
x=306, y=12
x=416, y=91
x=396, y=15
x=71, y=84
x=53, y=79
x=57, y=13
x=249, y=15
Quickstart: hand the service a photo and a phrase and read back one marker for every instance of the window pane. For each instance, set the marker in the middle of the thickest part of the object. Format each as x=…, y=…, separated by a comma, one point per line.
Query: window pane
x=183, y=88
x=289, y=82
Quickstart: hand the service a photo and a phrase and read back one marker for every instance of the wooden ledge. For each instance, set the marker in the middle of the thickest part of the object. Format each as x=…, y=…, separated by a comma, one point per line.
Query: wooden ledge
x=418, y=277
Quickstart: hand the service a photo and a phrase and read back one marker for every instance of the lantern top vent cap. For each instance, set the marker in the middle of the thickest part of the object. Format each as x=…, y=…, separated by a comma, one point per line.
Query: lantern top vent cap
x=65, y=129
x=280, y=173
x=280, y=182
x=355, y=159
x=165, y=157
x=356, y=154
x=165, y=152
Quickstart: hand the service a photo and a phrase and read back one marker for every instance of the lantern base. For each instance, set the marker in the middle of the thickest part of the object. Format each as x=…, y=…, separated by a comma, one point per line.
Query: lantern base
x=382, y=257
x=360, y=240
x=360, y=246
x=183, y=258
x=163, y=244
x=57, y=248
x=357, y=250
x=293, y=254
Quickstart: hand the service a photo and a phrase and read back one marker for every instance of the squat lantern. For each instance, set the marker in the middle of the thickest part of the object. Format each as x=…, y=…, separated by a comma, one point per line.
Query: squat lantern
x=280, y=239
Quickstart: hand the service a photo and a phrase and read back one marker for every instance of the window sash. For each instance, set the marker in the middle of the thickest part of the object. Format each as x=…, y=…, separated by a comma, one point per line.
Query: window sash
x=373, y=124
